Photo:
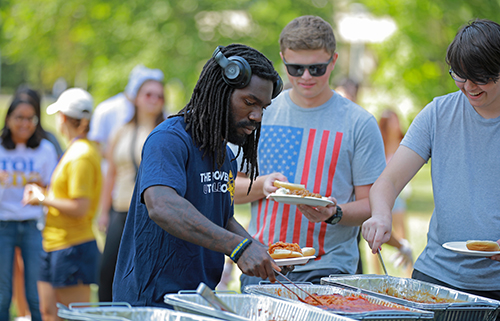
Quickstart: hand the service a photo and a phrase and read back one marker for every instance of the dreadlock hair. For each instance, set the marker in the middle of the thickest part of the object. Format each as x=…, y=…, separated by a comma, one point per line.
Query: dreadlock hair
x=207, y=113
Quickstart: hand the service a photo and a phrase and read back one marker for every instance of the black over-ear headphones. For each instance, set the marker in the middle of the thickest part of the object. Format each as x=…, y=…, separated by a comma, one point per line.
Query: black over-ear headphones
x=237, y=73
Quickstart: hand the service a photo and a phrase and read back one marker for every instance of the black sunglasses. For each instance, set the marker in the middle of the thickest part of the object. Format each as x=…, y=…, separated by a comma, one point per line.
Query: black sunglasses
x=315, y=70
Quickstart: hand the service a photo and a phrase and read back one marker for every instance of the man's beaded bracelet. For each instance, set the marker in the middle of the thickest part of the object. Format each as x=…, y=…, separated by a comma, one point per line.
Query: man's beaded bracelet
x=239, y=249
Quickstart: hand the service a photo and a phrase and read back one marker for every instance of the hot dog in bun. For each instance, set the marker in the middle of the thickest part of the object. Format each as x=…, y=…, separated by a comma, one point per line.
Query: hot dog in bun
x=488, y=246
x=283, y=250
x=289, y=186
x=294, y=189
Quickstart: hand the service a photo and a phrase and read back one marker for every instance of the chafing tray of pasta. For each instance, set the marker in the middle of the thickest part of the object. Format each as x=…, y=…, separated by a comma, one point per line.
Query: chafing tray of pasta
x=249, y=307
x=345, y=302
x=447, y=304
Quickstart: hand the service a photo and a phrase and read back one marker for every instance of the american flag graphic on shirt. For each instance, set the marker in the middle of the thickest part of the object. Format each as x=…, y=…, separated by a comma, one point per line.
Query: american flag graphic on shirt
x=279, y=151
x=280, y=147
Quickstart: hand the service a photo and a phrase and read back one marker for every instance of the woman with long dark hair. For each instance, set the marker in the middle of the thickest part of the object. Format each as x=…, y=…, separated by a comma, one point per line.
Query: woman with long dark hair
x=30, y=95
x=25, y=157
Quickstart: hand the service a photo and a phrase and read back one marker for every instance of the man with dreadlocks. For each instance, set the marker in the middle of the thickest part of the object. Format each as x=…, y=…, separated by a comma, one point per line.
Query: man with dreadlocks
x=180, y=222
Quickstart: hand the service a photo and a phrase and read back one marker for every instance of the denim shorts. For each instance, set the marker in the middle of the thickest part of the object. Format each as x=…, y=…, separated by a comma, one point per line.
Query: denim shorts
x=78, y=264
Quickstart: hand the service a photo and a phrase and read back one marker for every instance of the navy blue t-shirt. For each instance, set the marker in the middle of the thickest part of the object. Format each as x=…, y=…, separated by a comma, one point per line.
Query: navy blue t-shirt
x=151, y=262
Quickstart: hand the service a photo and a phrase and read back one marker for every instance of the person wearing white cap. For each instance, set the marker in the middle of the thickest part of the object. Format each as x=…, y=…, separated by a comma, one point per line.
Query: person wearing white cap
x=70, y=258
x=118, y=110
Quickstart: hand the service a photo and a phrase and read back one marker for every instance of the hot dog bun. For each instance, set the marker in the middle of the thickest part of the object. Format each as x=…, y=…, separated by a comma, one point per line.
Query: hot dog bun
x=285, y=254
x=308, y=251
x=488, y=246
x=294, y=189
x=283, y=250
x=290, y=186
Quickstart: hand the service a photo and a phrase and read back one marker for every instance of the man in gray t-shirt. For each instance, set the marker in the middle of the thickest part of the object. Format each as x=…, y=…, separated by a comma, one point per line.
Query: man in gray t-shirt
x=313, y=136
x=460, y=132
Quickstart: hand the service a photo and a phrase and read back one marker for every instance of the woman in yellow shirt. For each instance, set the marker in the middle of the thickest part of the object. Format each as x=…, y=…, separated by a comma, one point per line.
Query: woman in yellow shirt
x=70, y=259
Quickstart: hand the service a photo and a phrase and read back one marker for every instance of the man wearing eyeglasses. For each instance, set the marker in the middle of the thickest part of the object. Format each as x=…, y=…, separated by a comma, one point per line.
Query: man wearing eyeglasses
x=313, y=136
x=461, y=133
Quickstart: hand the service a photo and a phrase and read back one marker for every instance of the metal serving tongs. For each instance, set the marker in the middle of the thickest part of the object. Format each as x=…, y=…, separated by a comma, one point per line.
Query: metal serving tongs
x=300, y=299
x=209, y=295
x=382, y=261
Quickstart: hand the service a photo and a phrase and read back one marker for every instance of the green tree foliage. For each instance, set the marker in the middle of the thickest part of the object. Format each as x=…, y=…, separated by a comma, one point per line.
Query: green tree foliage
x=98, y=42
x=412, y=61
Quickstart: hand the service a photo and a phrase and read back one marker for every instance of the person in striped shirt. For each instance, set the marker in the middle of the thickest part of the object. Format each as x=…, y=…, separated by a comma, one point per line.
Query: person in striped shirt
x=313, y=136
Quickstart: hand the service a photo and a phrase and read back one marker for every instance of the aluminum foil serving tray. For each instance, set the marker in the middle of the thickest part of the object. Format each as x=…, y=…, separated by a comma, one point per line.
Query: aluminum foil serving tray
x=250, y=307
x=123, y=312
x=450, y=305
x=280, y=292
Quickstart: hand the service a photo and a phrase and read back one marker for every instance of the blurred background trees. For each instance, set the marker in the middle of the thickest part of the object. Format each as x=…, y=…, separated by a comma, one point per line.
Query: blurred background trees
x=95, y=43
x=412, y=62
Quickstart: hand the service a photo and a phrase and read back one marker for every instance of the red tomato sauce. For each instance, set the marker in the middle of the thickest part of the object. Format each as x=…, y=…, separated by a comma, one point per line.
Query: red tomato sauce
x=352, y=303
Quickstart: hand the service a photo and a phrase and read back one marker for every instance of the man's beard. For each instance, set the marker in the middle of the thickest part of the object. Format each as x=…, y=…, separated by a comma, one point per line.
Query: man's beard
x=233, y=136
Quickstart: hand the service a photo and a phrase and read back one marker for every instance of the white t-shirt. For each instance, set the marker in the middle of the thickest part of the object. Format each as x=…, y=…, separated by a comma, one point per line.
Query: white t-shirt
x=108, y=116
x=24, y=165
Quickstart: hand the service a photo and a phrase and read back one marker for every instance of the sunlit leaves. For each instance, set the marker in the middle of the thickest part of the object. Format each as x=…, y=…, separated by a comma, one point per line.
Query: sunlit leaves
x=100, y=41
x=413, y=60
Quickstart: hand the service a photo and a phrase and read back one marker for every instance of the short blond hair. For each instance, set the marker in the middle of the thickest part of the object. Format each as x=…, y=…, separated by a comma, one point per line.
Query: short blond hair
x=308, y=33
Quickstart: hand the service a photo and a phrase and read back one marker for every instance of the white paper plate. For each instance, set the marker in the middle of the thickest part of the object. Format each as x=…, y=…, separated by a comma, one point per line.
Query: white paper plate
x=296, y=199
x=294, y=260
x=460, y=247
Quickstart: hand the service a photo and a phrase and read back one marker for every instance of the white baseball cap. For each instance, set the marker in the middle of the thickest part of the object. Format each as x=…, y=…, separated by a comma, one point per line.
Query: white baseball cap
x=74, y=102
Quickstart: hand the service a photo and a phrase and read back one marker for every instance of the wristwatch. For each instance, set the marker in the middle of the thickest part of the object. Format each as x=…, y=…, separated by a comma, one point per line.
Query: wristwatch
x=335, y=218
